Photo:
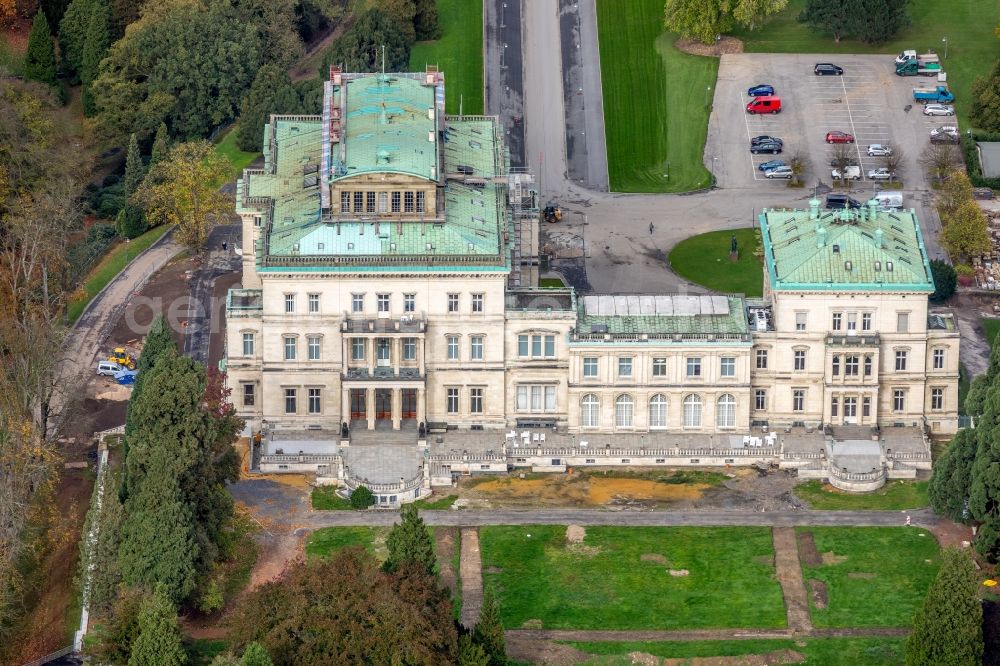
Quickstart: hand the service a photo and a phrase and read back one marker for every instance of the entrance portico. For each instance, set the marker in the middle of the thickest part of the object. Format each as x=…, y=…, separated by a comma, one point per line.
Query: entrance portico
x=373, y=404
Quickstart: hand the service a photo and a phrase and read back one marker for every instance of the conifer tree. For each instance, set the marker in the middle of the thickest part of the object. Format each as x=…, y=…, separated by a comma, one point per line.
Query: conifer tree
x=489, y=630
x=161, y=145
x=95, y=47
x=471, y=653
x=426, y=20
x=255, y=655
x=40, y=59
x=952, y=476
x=73, y=35
x=159, y=640
x=948, y=628
x=134, y=170
x=410, y=542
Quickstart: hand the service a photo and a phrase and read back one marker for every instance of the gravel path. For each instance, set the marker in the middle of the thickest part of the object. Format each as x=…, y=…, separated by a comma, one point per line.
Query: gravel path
x=471, y=570
x=789, y=573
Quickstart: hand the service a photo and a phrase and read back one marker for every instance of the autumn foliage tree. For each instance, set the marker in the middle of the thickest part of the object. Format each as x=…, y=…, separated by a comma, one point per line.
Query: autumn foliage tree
x=706, y=19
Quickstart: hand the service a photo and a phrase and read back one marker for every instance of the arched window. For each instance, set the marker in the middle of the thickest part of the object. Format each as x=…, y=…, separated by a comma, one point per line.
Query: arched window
x=658, y=411
x=692, y=411
x=590, y=411
x=725, y=411
x=623, y=411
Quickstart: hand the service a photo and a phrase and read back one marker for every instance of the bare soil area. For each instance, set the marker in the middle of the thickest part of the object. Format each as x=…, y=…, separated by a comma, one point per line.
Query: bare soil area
x=819, y=595
x=807, y=550
x=724, y=45
x=444, y=538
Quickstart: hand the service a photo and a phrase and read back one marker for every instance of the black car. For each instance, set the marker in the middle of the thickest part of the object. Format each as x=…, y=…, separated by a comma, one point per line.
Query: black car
x=773, y=147
x=840, y=202
x=764, y=138
x=827, y=69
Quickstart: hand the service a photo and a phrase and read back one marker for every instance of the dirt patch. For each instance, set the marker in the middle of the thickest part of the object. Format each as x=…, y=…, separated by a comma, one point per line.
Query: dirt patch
x=724, y=45
x=575, y=534
x=679, y=573
x=766, y=560
x=582, y=550
x=493, y=570
x=819, y=596
x=598, y=491
x=861, y=575
x=807, y=550
x=533, y=623
x=544, y=653
x=831, y=558
x=444, y=538
x=603, y=491
x=653, y=557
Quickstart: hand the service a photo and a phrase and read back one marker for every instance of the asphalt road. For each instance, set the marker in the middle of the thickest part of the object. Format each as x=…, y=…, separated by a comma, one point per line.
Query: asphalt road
x=504, y=76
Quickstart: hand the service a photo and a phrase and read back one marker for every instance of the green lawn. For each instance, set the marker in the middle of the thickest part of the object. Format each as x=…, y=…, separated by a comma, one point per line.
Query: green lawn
x=968, y=25
x=704, y=260
x=324, y=541
x=238, y=159
x=325, y=498
x=818, y=651
x=438, y=504
x=458, y=53
x=893, y=495
x=874, y=576
x=618, y=578
x=991, y=327
x=110, y=266
x=551, y=283
x=656, y=101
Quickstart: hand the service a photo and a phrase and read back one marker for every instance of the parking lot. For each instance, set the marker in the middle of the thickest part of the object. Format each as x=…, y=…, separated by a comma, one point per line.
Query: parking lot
x=868, y=101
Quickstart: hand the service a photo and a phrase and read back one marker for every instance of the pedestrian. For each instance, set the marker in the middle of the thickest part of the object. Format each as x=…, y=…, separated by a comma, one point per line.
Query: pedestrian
x=650, y=228
x=224, y=245
x=907, y=520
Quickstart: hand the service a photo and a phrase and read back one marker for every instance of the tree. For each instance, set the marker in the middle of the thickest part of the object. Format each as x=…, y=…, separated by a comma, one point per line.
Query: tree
x=40, y=58
x=73, y=36
x=118, y=631
x=346, y=610
x=965, y=232
x=471, y=653
x=893, y=161
x=134, y=170
x=425, y=20
x=870, y=21
x=952, y=476
x=410, y=542
x=362, y=497
x=797, y=163
x=123, y=13
x=8, y=12
x=945, y=279
x=752, y=13
x=360, y=48
x=940, y=160
x=159, y=340
x=984, y=111
x=955, y=191
x=183, y=190
x=255, y=655
x=159, y=640
x=54, y=11
x=842, y=155
x=161, y=146
x=272, y=92
x=403, y=13
x=948, y=628
x=95, y=47
x=700, y=19
x=489, y=629
x=99, y=559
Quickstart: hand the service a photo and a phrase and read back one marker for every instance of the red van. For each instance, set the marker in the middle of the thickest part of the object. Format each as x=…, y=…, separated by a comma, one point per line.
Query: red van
x=764, y=104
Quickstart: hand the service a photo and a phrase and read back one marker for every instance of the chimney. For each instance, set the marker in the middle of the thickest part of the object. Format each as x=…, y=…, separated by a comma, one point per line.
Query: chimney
x=872, y=209
x=820, y=237
x=878, y=238
x=814, y=209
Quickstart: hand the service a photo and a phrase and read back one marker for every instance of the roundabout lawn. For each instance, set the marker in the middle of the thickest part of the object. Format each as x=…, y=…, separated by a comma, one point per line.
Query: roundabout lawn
x=704, y=260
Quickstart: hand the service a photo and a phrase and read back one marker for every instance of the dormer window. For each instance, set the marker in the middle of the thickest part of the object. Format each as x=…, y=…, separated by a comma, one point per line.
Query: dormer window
x=888, y=266
x=836, y=249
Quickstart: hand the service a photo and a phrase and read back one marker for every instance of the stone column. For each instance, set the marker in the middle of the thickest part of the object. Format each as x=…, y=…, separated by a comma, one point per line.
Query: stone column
x=370, y=407
x=396, y=359
x=397, y=408
x=370, y=342
x=422, y=355
x=421, y=406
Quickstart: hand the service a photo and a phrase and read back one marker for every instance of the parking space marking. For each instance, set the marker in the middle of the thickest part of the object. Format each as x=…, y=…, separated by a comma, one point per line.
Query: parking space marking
x=854, y=133
x=746, y=121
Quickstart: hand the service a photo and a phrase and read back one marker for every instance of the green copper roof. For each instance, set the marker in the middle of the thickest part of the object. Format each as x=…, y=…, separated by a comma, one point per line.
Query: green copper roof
x=661, y=315
x=843, y=250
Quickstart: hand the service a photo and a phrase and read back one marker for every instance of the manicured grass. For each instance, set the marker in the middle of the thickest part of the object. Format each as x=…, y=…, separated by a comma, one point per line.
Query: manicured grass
x=110, y=266
x=874, y=576
x=325, y=498
x=605, y=583
x=438, y=504
x=991, y=327
x=704, y=260
x=551, y=283
x=324, y=541
x=818, y=651
x=968, y=25
x=656, y=101
x=238, y=159
x=458, y=53
x=893, y=495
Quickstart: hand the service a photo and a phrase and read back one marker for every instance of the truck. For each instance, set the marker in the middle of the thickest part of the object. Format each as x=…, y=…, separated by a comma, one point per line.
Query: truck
x=910, y=54
x=939, y=94
x=915, y=67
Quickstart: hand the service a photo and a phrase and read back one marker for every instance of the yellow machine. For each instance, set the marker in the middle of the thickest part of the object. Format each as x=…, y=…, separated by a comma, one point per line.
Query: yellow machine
x=122, y=358
x=552, y=213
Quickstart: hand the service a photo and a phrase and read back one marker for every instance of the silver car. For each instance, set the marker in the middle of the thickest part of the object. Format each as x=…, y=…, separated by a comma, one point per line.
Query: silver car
x=880, y=174
x=879, y=150
x=779, y=172
x=939, y=110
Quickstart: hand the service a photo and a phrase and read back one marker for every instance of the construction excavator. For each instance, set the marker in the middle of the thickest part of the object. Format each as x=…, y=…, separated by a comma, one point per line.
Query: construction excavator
x=552, y=213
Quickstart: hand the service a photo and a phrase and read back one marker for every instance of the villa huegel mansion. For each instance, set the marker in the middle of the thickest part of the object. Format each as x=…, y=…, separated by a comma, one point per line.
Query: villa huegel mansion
x=389, y=329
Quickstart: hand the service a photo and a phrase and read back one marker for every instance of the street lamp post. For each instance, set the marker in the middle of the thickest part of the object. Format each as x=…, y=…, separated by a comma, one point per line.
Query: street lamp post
x=945, y=41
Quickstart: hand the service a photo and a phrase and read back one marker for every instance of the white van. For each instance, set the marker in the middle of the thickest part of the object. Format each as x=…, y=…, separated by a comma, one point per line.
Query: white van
x=108, y=368
x=890, y=200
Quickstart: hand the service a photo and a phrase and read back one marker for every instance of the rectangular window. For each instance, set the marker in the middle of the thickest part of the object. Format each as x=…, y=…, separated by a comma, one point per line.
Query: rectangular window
x=409, y=302
x=938, y=359
x=836, y=366
x=727, y=366
x=868, y=366
x=550, y=346
x=289, y=303
x=248, y=395
x=798, y=400
x=476, y=348
x=359, y=202
x=383, y=202
x=453, y=401
x=370, y=202
x=902, y=322
x=522, y=399
x=290, y=400
x=382, y=302
x=357, y=302
x=625, y=366
x=800, y=321
x=762, y=359
x=313, y=303
x=898, y=400
x=452, y=302
x=659, y=367
x=851, y=365
x=694, y=366
x=248, y=339
x=420, y=201
x=760, y=400
x=836, y=321
x=476, y=401
x=522, y=346
x=477, y=302
x=357, y=349
x=937, y=398
x=409, y=349
x=834, y=404
x=314, y=347
x=407, y=202
x=315, y=401
x=536, y=398
x=866, y=407
x=590, y=366
x=800, y=359
x=852, y=321
x=866, y=321
x=452, y=347
x=900, y=360
x=290, y=348
x=395, y=202
x=345, y=202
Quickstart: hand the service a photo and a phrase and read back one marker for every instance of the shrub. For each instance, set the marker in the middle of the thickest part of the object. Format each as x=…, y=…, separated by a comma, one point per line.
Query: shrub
x=362, y=498
x=971, y=155
x=944, y=280
x=965, y=270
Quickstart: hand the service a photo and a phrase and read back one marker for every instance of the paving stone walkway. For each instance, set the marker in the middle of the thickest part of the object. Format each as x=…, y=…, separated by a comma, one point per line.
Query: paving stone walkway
x=789, y=573
x=471, y=571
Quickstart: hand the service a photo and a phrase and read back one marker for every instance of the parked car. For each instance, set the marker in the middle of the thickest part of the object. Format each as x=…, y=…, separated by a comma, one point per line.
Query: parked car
x=946, y=134
x=779, y=172
x=765, y=104
x=841, y=201
x=772, y=164
x=889, y=200
x=762, y=138
x=851, y=172
x=772, y=147
x=827, y=69
x=761, y=90
x=939, y=110
x=879, y=150
x=839, y=137
x=938, y=94
x=108, y=368
x=880, y=174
